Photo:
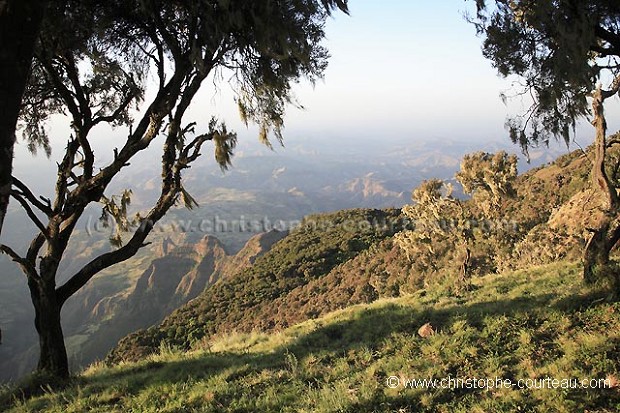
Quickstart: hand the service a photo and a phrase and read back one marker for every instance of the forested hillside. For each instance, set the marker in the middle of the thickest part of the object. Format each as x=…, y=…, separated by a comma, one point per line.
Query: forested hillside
x=337, y=311
x=246, y=301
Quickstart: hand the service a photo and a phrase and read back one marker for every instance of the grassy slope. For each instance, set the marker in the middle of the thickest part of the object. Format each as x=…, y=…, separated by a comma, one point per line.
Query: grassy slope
x=527, y=324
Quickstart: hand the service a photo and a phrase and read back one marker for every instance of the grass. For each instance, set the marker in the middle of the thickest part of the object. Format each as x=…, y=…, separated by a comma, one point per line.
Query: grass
x=520, y=325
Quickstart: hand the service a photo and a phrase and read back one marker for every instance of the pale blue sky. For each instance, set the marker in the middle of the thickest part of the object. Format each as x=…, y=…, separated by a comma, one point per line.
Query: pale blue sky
x=409, y=68
x=399, y=69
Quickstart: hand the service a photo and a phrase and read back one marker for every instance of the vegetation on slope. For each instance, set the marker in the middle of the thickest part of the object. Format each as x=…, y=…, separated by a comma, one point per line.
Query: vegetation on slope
x=529, y=324
x=313, y=250
x=336, y=262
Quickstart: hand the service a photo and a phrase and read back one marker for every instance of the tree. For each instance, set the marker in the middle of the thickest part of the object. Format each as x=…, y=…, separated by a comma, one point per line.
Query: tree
x=489, y=178
x=567, y=53
x=97, y=73
x=20, y=22
x=439, y=220
x=447, y=226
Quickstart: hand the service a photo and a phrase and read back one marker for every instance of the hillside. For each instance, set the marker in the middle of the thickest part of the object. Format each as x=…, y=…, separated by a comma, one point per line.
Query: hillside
x=526, y=325
x=291, y=284
x=246, y=301
x=332, y=262
x=168, y=283
x=264, y=189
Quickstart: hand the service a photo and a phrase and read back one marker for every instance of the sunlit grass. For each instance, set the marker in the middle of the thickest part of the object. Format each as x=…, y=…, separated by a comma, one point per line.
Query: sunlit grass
x=521, y=325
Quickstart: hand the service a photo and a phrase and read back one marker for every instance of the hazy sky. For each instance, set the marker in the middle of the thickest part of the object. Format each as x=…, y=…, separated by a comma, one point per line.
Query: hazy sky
x=400, y=69
x=412, y=69
x=409, y=68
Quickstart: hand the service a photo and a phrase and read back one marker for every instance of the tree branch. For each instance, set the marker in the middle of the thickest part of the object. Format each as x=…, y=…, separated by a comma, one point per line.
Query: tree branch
x=160, y=59
x=185, y=158
x=64, y=172
x=84, y=123
x=170, y=190
x=72, y=73
x=27, y=268
x=61, y=88
x=112, y=117
x=610, y=37
x=615, y=87
x=79, y=279
x=89, y=156
x=33, y=217
x=605, y=51
x=147, y=130
x=613, y=141
x=33, y=249
x=26, y=193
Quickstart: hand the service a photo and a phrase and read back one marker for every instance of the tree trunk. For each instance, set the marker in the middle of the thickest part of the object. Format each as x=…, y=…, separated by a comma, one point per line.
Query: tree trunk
x=53, y=354
x=595, y=256
x=20, y=22
x=597, y=251
x=464, y=276
x=465, y=265
x=605, y=236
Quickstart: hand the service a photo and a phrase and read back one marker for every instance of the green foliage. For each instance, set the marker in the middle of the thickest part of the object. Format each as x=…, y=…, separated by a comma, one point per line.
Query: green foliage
x=113, y=81
x=561, y=49
x=267, y=46
x=96, y=73
x=543, y=244
x=225, y=143
x=440, y=225
x=446, y=229
x=489, y=178
x=567, y=54
x=115, y=207
x=382, y=270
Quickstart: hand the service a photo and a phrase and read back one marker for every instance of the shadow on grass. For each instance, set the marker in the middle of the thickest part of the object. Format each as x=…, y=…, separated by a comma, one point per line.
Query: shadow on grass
x=373, y=325
x=367, y=328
